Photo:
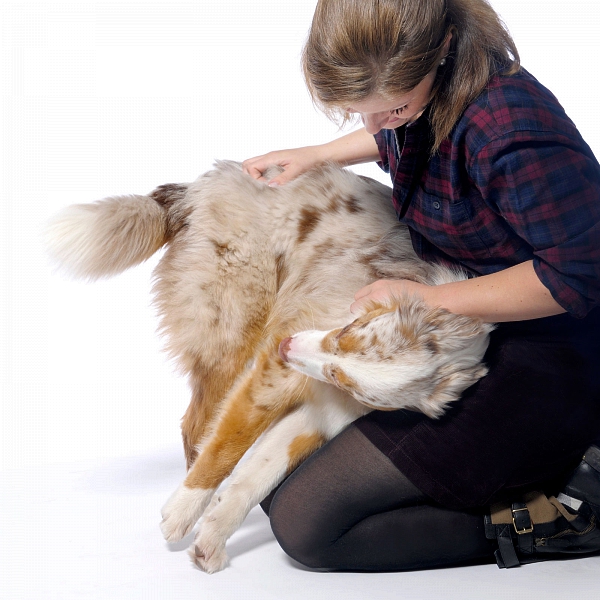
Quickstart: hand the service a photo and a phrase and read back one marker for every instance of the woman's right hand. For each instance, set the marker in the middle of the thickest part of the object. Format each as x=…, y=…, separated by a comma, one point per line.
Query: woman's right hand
x=352, y=149
x=294, y=162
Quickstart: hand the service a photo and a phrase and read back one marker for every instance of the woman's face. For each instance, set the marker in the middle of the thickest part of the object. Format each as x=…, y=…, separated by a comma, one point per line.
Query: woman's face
x=378, y=113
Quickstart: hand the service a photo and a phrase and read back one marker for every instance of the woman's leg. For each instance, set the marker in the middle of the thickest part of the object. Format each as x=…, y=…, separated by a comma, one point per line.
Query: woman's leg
x=349, y=508
x=523, y=426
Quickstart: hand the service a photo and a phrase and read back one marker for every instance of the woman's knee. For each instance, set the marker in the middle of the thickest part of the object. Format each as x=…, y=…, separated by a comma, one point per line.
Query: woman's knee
x=299, y=536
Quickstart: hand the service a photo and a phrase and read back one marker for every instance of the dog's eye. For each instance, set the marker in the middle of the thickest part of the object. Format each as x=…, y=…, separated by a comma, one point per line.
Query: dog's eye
x=339, y=378
x=343, y=331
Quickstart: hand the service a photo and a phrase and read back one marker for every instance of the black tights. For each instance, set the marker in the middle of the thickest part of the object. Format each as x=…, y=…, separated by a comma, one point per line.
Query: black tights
x=347, y=508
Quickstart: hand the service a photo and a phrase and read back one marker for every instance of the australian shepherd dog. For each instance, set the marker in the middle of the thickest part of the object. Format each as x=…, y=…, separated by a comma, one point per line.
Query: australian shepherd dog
x=253, y=293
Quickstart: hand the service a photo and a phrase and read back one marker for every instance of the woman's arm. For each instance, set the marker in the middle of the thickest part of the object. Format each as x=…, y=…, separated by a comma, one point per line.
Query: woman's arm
x=514, y=294
x=352, y=149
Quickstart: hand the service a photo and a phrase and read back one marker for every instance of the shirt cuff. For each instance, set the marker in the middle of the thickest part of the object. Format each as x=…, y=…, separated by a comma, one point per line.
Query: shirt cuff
x=571, y=300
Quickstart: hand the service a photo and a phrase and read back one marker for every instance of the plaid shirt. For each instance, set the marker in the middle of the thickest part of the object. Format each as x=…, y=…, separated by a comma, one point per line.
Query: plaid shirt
x=515, y=181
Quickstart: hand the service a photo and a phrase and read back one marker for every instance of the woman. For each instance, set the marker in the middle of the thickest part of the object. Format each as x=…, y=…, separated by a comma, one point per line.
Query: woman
x=490, y=174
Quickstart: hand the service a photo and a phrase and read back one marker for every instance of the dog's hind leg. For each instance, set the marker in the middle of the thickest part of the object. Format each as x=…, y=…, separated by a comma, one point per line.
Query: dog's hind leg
x=277, y=453
x=209, y=386
x=266, y=393
x=223, y=341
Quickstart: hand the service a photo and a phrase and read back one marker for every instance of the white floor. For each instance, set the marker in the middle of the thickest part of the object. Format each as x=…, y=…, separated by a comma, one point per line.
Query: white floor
x=112, y=97
x=90, y=531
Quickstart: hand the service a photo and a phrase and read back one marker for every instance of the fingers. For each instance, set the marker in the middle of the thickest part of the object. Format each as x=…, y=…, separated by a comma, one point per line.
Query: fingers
x=255, y=167
x=360, y=298
x=363, y=292
x=289, y=173
x=355, y=308
x=385, y=290
x=294, y=162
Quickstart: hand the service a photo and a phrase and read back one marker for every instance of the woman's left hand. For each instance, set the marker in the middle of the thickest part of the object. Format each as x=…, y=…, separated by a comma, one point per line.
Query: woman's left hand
x=513, y=294
x=385, y=290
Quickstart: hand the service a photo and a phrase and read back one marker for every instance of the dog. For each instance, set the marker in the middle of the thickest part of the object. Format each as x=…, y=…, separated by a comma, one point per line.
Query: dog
x=253, y=294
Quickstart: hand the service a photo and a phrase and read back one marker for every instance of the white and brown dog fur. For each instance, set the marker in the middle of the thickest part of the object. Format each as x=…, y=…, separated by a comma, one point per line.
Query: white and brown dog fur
x=253, y=294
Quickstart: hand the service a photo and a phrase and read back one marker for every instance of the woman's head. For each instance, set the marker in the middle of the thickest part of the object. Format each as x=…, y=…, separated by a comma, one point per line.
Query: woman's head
x=360, y=49
x=378, y=112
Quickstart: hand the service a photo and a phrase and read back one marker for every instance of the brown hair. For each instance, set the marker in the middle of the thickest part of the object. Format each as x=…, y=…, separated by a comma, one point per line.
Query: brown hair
x=358, y=48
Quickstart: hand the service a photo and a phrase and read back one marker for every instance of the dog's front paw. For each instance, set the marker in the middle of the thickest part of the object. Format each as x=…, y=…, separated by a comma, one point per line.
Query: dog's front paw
x=207, y=555
x=182, y=511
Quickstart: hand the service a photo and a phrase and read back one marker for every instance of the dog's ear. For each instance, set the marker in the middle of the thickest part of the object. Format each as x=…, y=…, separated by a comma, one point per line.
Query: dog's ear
x=459, y=332
x=449, y=388
x=339, y=378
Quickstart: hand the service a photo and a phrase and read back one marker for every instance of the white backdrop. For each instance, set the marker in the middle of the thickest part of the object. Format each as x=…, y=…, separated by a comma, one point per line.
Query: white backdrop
x=113, y=97
x=110, y=97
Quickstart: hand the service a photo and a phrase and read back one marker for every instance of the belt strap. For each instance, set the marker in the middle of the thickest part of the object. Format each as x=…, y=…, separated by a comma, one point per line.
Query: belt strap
x=523, y=526
x=506, y=557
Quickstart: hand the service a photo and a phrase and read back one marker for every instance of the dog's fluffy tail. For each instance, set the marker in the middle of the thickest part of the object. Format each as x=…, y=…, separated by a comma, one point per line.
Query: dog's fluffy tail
x=89, y=241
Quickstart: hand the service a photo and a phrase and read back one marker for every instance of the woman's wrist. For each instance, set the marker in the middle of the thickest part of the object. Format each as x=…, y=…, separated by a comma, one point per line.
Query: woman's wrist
x=514, y=294
x=352, y=149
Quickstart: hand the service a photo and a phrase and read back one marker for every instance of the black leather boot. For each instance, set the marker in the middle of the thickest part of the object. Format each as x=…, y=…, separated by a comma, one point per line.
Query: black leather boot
x=584, y=483
x=538, y=528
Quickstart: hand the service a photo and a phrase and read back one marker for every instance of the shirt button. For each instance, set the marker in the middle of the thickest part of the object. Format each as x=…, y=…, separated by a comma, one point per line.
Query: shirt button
x=437, y=205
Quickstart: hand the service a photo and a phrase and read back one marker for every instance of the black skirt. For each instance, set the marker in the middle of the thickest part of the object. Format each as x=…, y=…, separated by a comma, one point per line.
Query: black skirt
x=523, y=426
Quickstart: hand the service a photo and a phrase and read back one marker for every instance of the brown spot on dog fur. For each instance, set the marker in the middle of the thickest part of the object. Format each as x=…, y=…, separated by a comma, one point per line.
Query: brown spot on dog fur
x=221, y=250
x=373, y=310
x=431, y=345
x=241, y=423
x=367, y=260
x=336, y=203
x=353, y=205
x=302, y=447
x=349, y=343
x=322, y=253
x=169, y=193
x=170, y=197
x=309, y=219
x=326, y=247
x=339, y=377
x=328, y=342
x=281, y=270
x=408, y=335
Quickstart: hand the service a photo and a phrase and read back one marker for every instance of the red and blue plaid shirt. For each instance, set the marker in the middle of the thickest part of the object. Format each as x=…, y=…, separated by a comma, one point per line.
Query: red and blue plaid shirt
x=514, y=181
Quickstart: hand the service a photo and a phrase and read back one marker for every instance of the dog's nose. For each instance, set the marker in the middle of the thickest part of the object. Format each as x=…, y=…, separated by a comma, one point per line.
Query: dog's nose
x=284, y=348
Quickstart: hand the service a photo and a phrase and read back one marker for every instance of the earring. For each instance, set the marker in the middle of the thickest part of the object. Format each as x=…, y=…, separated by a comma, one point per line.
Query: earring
x=443, y=62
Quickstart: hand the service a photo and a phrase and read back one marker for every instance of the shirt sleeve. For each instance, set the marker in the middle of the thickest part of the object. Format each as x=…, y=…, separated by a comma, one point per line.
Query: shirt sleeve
x=547, y=187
